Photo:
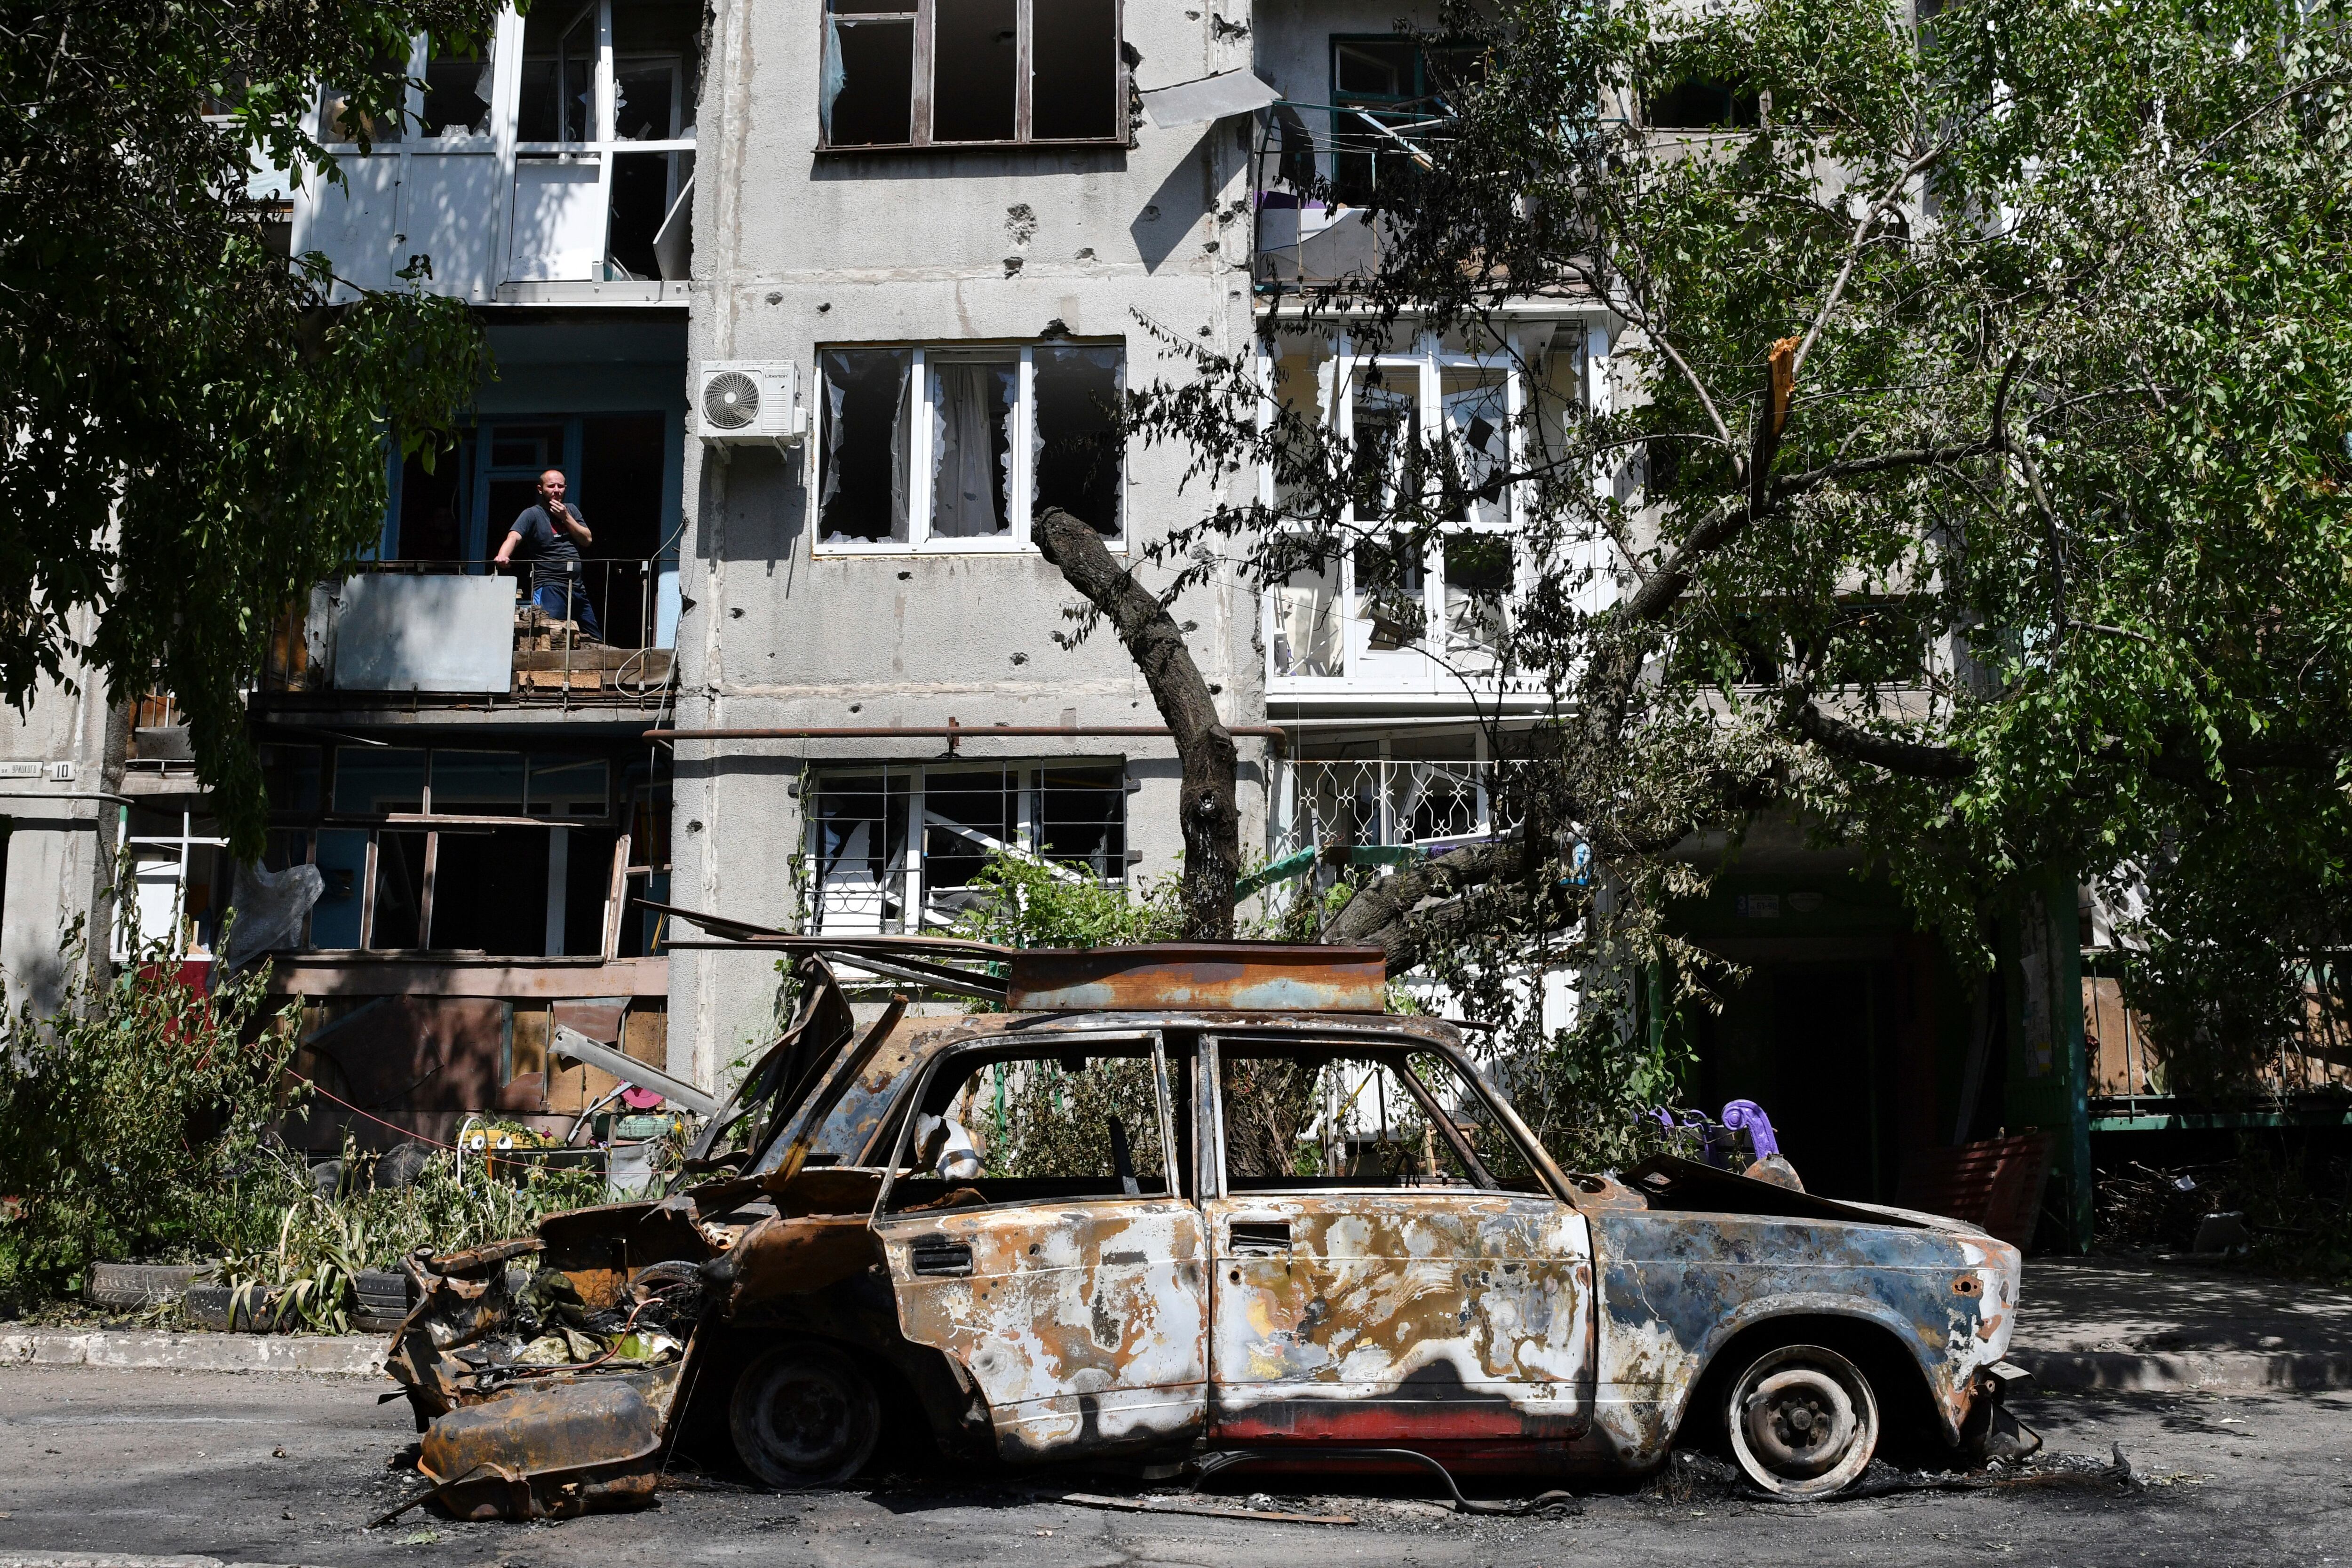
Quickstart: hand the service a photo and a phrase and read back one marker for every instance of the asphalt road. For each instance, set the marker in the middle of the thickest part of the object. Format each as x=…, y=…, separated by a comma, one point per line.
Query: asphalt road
x=264, y=1469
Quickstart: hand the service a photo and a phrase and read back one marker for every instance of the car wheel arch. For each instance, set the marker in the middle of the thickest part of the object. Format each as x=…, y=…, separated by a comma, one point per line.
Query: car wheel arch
x=1899, y=1376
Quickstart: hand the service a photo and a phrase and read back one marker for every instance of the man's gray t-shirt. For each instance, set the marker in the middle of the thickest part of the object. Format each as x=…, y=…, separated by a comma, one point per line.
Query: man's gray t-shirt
x=549, y=549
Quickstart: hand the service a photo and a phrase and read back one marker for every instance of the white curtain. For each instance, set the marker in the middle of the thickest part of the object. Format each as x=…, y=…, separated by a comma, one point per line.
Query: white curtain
x=1306, y=625
x=966, y=482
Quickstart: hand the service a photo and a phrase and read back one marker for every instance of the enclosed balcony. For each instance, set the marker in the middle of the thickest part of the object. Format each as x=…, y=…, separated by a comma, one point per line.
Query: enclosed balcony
x=558, y=168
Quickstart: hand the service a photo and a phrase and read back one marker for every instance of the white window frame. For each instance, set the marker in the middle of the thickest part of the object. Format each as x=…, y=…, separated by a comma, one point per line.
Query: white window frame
x=922, y=461
x=1427, y=359
x=912, y=887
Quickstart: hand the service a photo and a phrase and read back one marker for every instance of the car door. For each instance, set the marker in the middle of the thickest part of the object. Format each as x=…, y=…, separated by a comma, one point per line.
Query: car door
x=1061, y=1265
x=1383, y=1285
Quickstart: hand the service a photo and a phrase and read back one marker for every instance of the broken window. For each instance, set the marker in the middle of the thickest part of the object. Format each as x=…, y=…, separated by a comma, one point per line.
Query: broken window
x=1388, y=94
x=858, y=844
x=868, y=438
x=1077, y=445
x=1307, y=621
x=983, y=55
x=396, y=911
x=930, y=446
x=1073, y=816
x=341, y=856
x=1085, y=1121
x=1081, y=819
x=558, y=100
x=1430, y=437
x=564, y=787
x=971, y=405
x=1297, y=1121
x=457, y=93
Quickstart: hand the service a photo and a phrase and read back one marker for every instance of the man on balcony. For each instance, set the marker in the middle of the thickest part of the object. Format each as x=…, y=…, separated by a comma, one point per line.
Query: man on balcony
x=549, y=536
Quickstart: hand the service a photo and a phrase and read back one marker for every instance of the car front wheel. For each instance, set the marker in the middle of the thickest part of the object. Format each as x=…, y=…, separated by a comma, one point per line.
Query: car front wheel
x=1802, y=1421
x=804, y=1416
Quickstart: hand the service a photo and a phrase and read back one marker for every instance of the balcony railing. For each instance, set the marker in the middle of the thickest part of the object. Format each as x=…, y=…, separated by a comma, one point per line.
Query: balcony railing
x=464, y=628
x=1379, y=803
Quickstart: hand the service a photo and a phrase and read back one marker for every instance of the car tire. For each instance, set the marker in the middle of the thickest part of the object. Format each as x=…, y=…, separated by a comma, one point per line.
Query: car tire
x=1802, y=1421
x=132, y=1285
x=804, y=1416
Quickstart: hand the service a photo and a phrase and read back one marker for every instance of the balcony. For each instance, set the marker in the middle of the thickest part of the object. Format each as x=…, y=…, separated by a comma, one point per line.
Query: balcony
x=560, y=169
x=1314, y=168
x=457, y=629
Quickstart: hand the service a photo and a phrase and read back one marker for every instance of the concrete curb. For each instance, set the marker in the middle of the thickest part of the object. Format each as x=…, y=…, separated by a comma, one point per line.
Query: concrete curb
x=2131, y=1371
x=120, y=1560
x=354, y=1355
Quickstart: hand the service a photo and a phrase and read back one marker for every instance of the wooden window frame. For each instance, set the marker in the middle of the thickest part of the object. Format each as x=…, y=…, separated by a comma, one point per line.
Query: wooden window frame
x=918, y=113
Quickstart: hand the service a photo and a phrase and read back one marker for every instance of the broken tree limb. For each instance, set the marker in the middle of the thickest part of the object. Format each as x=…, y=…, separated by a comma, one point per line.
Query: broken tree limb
x=1207, y=810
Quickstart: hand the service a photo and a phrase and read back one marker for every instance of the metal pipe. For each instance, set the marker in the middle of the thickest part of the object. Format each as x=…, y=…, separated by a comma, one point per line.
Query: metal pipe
x=65, y=795
x=939, y=731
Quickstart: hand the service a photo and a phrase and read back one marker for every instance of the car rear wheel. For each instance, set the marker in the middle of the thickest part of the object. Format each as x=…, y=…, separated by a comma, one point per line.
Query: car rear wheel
x=1802, y=1421
x=804, y=1416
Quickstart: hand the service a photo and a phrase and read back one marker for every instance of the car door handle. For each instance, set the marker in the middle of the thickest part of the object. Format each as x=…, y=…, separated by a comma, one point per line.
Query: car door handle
x=936, y=1259
x=1259, y=1236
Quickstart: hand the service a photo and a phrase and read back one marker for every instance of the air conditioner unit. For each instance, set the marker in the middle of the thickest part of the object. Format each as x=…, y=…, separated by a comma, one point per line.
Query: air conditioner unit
x=746, y=400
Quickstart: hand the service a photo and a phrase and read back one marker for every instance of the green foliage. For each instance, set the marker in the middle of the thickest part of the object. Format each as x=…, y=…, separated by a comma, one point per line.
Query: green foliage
x=304, y=1274
x=191, y=430
x=1029, y=904
x=2039, y=555
x=132, y=1120
x=138, y=1122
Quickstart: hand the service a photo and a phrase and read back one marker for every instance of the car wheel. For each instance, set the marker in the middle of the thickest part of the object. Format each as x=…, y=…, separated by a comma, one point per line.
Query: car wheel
x=804, y=1416
x=1802, y=1421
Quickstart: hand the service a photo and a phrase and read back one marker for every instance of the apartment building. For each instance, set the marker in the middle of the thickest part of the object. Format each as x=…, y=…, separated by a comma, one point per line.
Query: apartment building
x=813, y=303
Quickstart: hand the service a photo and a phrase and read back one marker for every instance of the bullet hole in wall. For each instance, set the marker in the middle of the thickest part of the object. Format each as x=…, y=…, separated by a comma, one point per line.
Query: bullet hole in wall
x=1019, y=658
x=694, y=825
x=775, y=296
x=737, y=613
x=823, y=306
x=1013, y=267
x=903, y=575
x=858, y=707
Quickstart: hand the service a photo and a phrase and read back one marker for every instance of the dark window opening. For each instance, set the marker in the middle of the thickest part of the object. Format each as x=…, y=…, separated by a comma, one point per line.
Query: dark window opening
x=1702, y=103
x=1082, y=819
x=649, y=235
x=966, y=816
x=1399, y=82
x=477, y=783
x=489, y=891
x=867, y=436
x=587, y=889
x=869, y=74
x=559, y=75
x=1077, y=432
x=976, y=52
x=432, y=505
x=399, y=890
x=1073, y=83
x=457, y=95
x=982, y=53
x=371, y=781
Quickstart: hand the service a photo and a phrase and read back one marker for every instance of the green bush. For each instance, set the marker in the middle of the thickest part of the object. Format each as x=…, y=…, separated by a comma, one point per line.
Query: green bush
x=139, y=1123
x=132, y=1120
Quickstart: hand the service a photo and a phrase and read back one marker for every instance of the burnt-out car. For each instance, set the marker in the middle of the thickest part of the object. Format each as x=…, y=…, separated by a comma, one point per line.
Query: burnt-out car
x=1174, y=1202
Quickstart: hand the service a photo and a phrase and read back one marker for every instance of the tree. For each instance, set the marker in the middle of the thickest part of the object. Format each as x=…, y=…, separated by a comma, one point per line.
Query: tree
x=190, y=434
x=1975, y=490
x=1206, y=809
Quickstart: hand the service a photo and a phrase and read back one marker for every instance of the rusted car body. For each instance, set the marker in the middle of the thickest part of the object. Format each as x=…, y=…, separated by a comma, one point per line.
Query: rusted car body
x=1116, y=1225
